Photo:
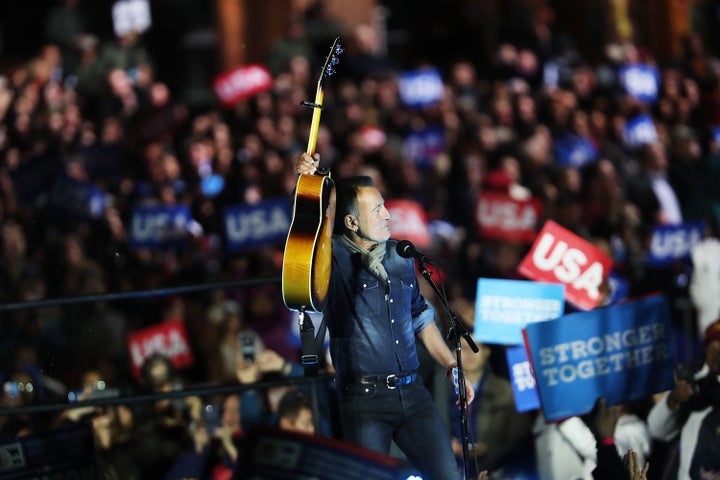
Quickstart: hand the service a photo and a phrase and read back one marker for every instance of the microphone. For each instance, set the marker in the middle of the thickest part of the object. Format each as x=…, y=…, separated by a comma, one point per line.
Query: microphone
x=406, y=249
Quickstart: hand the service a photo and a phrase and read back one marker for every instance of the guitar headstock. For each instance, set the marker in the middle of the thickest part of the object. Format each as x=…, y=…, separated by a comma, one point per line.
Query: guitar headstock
x=332, y=59
x=328, y=70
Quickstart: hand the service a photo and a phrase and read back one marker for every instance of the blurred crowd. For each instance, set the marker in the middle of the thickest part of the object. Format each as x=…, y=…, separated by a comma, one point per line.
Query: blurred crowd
x=88, y=132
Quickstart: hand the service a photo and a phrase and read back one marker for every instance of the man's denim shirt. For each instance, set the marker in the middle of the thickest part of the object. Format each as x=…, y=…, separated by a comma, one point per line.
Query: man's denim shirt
x=373, y=326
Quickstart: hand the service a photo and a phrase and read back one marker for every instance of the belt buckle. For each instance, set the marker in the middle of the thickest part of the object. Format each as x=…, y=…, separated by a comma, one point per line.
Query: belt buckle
x=391, y=381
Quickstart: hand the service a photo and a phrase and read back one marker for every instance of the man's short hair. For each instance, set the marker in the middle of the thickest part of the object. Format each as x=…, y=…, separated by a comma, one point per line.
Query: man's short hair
x=346, y=193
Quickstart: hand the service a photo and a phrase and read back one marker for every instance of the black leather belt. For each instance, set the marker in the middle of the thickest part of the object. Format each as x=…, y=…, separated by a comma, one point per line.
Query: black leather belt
x=391, y=381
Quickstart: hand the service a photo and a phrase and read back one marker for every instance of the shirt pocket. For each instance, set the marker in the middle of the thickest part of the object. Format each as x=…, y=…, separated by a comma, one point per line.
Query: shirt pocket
x=370, y=296
x=407, y=287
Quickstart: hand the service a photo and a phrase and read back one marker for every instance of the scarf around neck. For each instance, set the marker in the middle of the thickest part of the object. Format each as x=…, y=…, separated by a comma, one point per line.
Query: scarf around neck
x=371, y=258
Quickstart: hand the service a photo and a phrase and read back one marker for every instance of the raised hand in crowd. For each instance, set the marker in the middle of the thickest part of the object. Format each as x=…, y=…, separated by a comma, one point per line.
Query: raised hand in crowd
x=634, y=471
x=246, y=371
x=682, y=391
x=269, y=361
x=604, y=420
x=265, y=362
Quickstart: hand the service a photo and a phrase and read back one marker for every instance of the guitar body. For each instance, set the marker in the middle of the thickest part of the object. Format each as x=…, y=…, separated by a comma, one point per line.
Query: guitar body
x=308, y=250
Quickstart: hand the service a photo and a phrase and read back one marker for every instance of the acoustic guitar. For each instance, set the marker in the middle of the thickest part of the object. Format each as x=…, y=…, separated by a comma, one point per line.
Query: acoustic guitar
x=308, y=250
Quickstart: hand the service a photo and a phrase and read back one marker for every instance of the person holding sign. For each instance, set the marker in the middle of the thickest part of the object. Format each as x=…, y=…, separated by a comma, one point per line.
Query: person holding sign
x=681, y=411
x=374, y=312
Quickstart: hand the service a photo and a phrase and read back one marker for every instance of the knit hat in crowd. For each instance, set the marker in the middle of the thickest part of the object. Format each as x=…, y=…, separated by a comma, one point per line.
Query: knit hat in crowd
x=712, y=332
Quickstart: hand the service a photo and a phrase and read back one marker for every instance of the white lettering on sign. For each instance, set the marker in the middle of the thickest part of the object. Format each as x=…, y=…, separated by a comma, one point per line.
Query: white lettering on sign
x=602, y=355
x=170, y=343
x=517, y=310
x=643, y=133
x=158, y=226
x=523, y=376
x=641, y=82
x=674, y=244
x=422, y=88
x=257, y=224
x=506, y=214
x=567, y=265
x=407, y=221
x=243, y=80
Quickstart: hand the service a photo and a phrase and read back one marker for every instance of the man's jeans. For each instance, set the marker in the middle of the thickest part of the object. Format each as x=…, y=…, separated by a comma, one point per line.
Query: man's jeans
x=373, y=415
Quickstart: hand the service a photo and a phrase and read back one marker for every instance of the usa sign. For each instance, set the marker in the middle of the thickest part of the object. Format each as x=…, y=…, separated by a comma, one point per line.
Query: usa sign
x=421, y=88
x=673, y=242
x=159, y=226
x=250, y=226
x=236, y=85
x=169, y=339
x=560, y=256
x=408, y=220
x=501, y=217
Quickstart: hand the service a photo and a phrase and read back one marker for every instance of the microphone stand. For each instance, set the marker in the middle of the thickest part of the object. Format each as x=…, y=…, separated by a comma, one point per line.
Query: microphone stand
x=456, y=332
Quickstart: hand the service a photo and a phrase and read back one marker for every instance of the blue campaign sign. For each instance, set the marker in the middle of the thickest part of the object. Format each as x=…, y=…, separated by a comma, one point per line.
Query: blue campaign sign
x=640, y=81
x=421, y=88
x=716, y=133
x=159, y=226
x=423, y=146
x=522, y=380
x=673, y=242
x=623, y=352
x=264, y=223
x=574, y=151
x=619, y=287
x=77, y=200
x=639, y=130
x=504, y=307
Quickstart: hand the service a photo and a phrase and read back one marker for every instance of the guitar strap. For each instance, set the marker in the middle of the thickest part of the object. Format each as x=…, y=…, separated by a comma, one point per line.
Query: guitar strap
x=311, y=344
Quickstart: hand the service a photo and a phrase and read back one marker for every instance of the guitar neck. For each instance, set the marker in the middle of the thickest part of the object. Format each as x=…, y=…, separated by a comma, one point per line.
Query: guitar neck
x=315, y=125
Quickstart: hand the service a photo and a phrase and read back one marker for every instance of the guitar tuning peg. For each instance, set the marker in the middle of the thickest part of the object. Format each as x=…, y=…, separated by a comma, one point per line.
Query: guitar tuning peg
x=334, y=61
x=329, y=71
x=339, y=50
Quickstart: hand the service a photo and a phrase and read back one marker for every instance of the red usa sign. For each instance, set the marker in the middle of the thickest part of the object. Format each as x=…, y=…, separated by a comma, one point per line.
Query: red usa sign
x=169, y=339
x=409, y=221
x=239, y=84
x=560, y=256
x=501, y=217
